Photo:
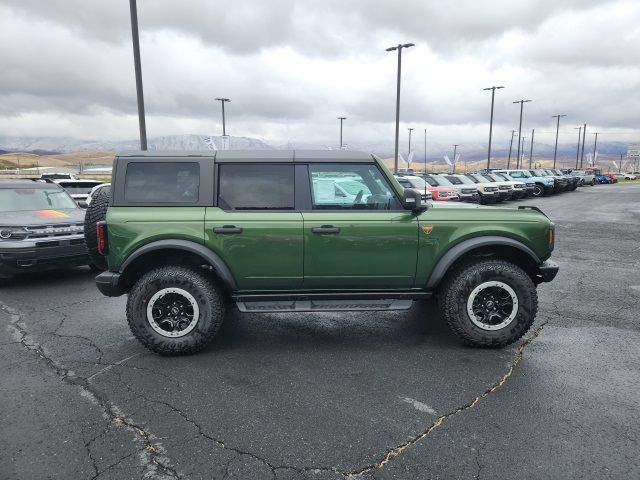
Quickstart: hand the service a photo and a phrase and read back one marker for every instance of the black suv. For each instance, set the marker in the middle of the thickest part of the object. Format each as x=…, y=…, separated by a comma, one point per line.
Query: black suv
x=40, y=226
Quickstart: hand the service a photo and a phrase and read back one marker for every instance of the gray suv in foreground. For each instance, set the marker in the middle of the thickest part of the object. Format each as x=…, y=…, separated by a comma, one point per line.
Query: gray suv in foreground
x=40, y=226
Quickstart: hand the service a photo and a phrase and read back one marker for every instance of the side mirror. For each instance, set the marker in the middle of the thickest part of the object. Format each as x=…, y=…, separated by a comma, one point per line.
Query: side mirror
x=413, y=200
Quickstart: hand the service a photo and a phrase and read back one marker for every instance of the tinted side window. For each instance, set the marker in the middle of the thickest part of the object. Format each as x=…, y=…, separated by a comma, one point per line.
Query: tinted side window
x=350, y=187
x=162, y=182
x=256, y=187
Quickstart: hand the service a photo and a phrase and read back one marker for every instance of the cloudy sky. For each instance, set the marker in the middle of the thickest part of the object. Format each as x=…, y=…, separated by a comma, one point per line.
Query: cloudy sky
x=290, y=67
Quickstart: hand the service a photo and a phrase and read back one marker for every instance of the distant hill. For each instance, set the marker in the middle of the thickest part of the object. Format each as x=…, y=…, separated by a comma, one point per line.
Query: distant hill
x=54, y=145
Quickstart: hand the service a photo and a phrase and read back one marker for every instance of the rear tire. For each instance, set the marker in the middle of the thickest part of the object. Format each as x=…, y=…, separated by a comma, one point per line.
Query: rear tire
x=174, y=310
x=96, y=212
x=489, y=303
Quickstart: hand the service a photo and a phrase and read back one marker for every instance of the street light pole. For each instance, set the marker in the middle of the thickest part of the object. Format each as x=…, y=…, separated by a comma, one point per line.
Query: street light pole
x=595, y=146
x=138, y=69
x=521, y=142
x=425, y=157
x=533, y=131
x=399, y=48
x=584, y=135
x=341, y=120
x=555, y=151
x=578, y=150
x=513, y=132
x=453, y=160
x=493, y=94
x=224, y=125
x=521, y=102
x=410, y=130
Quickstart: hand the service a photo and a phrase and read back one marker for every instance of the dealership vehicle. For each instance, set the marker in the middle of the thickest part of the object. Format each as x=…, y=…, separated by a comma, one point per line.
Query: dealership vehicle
x=541, y=185
x=58, y=176
x=428, y=184
x=94, y=191
x=629, y=176
x=187, y=234
x=466, y=192
x=487, y=192
x=78, y=189
x=525, y=188
x=40, y=227
x=505, y=189
x=584, y=177
x=416, y=184
x=573, y=181
x=559, y=183
x=612, y=176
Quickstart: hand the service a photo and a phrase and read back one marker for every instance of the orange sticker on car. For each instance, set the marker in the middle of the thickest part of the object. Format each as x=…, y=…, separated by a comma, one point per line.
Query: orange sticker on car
x=51, y=214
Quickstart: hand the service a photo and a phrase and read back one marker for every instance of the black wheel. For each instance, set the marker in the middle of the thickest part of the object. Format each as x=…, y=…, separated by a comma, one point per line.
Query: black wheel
x=489, y=303
x=593, y=182
x=538, y=190
x=175, y=310
x=96, y=212
x=481, y=200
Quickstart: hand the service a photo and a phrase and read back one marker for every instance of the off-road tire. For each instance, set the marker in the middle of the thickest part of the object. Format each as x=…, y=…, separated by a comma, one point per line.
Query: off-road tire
x=458, y=286
x=210, y=304
x=538, y=190
x=96, y=212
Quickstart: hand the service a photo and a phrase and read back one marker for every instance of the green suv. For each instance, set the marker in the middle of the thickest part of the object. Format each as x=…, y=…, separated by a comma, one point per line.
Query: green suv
x=185, y=235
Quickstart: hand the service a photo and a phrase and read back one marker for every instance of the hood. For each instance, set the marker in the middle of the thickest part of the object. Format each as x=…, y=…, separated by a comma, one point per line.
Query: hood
x=42, y=217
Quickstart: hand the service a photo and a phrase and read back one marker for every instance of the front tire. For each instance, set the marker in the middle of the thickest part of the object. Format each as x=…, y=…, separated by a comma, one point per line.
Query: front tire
x=174, y=310
x=489, y=303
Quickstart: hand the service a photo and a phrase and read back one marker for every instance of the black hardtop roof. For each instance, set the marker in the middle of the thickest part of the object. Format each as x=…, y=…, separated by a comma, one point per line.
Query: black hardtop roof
x=256, y=155
x=28, y=183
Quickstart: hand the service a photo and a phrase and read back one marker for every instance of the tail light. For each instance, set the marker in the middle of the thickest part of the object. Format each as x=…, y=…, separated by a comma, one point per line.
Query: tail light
x=103, y=245
x=551, y=236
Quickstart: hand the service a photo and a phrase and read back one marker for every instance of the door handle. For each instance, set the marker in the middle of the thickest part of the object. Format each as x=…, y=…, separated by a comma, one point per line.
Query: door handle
x=227, y=229
x=325, y=229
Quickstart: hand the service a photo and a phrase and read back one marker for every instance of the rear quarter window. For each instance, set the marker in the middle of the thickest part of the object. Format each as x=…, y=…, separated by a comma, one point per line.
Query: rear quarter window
x=162, y=182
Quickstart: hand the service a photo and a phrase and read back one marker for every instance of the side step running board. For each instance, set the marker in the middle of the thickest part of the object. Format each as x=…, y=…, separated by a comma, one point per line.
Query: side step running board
x=323, y=305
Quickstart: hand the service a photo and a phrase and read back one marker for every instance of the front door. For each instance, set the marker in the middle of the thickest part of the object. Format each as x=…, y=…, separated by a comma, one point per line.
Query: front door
x=254, y=227
x=357, y=235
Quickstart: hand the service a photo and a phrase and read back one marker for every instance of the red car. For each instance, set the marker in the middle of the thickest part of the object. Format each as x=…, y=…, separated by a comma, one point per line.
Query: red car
x=430, y=185
x=612, y=176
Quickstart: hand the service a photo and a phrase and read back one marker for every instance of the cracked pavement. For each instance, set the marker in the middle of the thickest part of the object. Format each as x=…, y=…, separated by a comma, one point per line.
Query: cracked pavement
x=385, y=395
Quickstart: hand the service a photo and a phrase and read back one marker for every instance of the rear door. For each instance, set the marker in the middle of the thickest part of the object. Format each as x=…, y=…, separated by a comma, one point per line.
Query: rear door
x=357, y=234
x=255, y=227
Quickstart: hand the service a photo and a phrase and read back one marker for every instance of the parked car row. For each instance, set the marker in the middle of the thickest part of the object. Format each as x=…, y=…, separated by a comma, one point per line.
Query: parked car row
x=489, y=187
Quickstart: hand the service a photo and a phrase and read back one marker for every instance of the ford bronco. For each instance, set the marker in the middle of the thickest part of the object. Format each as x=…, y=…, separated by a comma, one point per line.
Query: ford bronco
x=185, y=235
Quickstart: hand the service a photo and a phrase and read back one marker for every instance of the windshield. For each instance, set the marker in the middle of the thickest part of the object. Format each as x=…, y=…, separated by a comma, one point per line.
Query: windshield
x=431, y=181
x=456, y=180
x=489, y=177
x=443, y=181
x=76, y=188
x=539, y=173
x=473, y=178
x=500, y=176
x=352, y=187
x=21, y=199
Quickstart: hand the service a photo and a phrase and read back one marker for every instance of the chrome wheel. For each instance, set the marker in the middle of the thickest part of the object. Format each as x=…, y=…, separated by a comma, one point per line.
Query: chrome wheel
x=492, y=305
x=172, y=312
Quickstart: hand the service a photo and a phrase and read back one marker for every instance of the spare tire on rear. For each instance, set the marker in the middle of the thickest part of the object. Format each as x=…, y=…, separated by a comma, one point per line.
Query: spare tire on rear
x=96, y=212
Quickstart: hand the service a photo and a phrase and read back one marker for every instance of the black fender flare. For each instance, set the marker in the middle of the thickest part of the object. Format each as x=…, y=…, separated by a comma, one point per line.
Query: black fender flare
x=209, y=257
x=455, y=252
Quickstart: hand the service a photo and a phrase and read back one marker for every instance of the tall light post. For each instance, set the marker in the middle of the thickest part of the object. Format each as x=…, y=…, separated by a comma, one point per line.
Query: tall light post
x=513, y=133
x=555, y=151
x=493, y=94
x=521, y=102
x=224, y=123
x=595, y=146
x=425, y=157
x=584, y=135
x=521, y=142
x=409, y=151
x=533, y=132
x=342, y=119
x=453, y=160
x=399, y=48
x=138, y=69
x=578, y=150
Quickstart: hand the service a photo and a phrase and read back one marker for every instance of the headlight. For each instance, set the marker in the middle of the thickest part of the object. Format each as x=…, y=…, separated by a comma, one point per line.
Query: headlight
x=13, y=233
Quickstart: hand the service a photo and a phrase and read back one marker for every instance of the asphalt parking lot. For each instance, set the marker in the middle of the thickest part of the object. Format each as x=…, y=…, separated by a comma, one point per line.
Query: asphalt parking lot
x=324, y=396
